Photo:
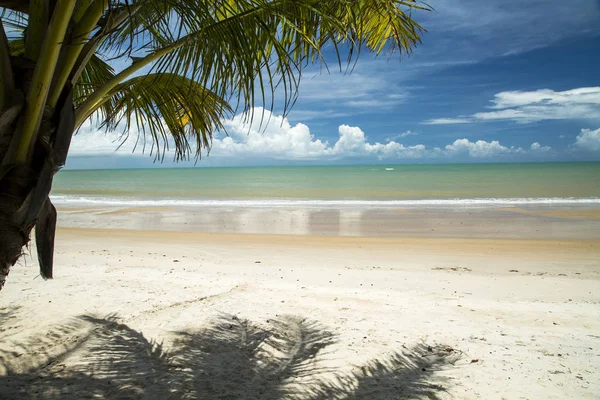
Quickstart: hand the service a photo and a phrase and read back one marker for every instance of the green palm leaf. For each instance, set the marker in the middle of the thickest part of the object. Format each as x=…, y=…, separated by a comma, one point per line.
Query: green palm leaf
x=247, y=49
x=167, y=106
x=95, y=74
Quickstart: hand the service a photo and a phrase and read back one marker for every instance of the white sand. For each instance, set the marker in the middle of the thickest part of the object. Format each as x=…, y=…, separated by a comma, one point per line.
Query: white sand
x=529, y=334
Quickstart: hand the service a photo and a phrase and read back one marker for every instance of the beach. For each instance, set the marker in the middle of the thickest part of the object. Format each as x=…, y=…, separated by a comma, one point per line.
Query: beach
x=299, y=200
x=322, y=302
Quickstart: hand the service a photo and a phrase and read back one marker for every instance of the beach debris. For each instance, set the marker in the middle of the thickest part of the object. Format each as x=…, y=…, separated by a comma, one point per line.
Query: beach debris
x=475, y=360
x=447, y=349
x=455, y=269
x=513, y=270
x=175, y=260
x=256, y=262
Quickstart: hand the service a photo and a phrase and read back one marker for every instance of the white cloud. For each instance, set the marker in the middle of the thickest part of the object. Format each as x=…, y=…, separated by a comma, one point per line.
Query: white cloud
x=91, y=142
x=278, y=139
x=585, y=95
x=394, y=150
x=447, y=121
x=536, y=105
x=588, y=140
x=536, y=147
x=308, y=115
x=274, y=137
x=384, y=102
x=478, y=149
x=401, y=135
x=352, y=142
x=357, y=90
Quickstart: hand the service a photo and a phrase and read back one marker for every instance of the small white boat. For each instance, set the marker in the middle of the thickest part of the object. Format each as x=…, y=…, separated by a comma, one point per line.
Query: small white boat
x=389, y=169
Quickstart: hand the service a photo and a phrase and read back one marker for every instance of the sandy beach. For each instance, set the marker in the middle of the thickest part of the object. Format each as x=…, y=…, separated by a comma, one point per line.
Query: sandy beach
x=350, y=304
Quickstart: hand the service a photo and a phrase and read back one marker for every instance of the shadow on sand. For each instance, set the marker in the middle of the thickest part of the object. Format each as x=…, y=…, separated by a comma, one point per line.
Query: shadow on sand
x=232, y=359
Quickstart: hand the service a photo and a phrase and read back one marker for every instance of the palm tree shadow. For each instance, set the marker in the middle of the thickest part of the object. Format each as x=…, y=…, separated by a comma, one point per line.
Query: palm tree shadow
x=231, y=359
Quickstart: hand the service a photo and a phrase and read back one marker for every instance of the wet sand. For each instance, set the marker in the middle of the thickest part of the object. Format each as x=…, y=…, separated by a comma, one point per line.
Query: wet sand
x=466, y=222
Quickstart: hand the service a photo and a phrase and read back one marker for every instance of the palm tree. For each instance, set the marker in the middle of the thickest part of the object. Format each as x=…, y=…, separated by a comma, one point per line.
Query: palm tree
x=186, y=65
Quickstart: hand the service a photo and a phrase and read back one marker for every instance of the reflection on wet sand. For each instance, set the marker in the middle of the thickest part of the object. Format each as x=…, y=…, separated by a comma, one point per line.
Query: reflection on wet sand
x=384, y=222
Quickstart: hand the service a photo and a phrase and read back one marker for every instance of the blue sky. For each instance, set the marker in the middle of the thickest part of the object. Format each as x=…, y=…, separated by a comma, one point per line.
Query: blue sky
x=493, y=81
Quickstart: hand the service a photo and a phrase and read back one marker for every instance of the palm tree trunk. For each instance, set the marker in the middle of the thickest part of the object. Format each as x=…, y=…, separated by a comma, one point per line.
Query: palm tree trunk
x=24, y=190
x=14, y=186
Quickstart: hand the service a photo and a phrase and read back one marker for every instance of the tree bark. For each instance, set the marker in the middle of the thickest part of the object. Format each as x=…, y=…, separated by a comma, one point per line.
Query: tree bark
x=25, y=188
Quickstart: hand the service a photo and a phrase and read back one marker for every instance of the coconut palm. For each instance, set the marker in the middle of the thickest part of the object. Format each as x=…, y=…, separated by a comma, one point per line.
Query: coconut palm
x=171, y=68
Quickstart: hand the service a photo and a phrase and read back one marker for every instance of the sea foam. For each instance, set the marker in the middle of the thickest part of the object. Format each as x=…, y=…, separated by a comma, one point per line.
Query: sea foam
x=284, y=203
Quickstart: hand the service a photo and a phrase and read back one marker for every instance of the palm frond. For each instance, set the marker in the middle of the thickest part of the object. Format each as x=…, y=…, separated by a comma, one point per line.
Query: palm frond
x=95, y=74
x=143, y=24
x=246, y=49
x=166, y=108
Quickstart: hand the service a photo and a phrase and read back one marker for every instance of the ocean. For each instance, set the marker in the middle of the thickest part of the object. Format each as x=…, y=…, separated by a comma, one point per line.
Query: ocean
x=335, y=186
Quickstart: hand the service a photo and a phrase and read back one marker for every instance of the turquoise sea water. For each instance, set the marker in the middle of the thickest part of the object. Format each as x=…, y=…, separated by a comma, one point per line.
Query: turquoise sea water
x=377, y=185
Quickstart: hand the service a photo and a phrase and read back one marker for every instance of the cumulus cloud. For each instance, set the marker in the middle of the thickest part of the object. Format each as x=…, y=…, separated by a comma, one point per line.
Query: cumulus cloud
x=92, y=142
x=536, y=147
x=478, y=149
x=588, y=140
x=277, y=138
x=536, y=105
x=268, y=134
x=352, y=142
x=271, y=136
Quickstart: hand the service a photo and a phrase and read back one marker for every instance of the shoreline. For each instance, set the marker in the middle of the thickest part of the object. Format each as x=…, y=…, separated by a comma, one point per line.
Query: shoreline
x=327, y=203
